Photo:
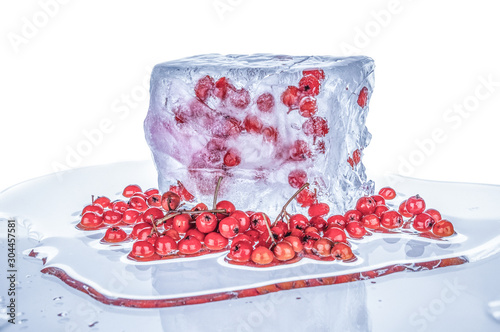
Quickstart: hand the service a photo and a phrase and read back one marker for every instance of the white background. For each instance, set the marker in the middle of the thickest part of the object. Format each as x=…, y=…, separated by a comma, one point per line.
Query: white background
x=67, y=66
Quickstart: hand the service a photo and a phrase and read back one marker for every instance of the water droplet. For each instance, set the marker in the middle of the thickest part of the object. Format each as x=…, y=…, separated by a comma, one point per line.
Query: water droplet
x=57, y=298
x=22, y=321
x=494, y=309
x=62, y=314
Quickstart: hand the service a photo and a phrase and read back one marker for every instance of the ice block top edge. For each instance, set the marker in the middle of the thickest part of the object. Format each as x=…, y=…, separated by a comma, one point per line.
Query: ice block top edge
x=264, y=61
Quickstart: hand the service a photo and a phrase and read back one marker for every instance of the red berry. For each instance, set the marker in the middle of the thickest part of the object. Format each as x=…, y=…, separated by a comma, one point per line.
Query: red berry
x=278, y=233
x=252, y=234
x=337, y=220
x=308, y=107
x=443, y=228
x=341, y=251
x=119, y=206
x=130, y=216
x=259, y=221
x=189, y=245
x=320, y=209
x=322, y=247
x=336, y=234
x=151, y=191
x=143, y=249
x=353, y=215
x=215, y=241
x=371, y=221
x=309, y=85
x=434, y=214
x=138, y=203
x=245, y=237
x=103, y=201
x=154, y=200
x=253, y=124
x=152, y=214
x=356, y=156
x=181, y=223
x=312, y=232
x=91, y=220
x=284, y=251
x=318, y=73
x=229, y=227
x=130, y=190
x=225, y=205
x=140, y=194
x=173, y=234
x=363, y=97
x=239, y=98
x=265, y=102
x=318, y=222
x=270, y=134
x=139, y=228
x=391, y=219
x=170, y=201
x=306, y=198
x=415, y=205
x=366, y=205
x=300, y=151
x=204, y=87
x=379, y=200
x=262, y=256
x=295, y=242
x=200, y=207
x=232, y=158
x=387, y=193
x=145, y=234
x=206, y=222
x=264, y=241
x=291, y=97
x=196, y=233
x=316, y=126
x=423, y=222
x=297, y=178
x=112, y=217
x=355, y=229
x=402, y=210
x=221, y=88
x=241, y=251
x=115, y=234
x=299, y=221
x=182, y=191
x=97, y=209
x=379, y=210
x=243, y=220
x=165, y=245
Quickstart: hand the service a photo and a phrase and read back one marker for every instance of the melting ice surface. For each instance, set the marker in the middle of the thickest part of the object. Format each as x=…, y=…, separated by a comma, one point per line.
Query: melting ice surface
x=190, y=134
x=104, y=273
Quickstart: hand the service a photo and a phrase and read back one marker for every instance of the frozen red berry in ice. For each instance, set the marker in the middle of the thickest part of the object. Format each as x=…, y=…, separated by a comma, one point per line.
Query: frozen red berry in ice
x=215, y=241
x=204, y=87
x=291, y=97
x=297, y=178
x=180, y=190
x=388, y=193
x=189, y=245
x=265, y=102
x=391, y=219
x=363, y=97
x=308, y=107
x=270, y=134
x=221, y=87
x=415, y=205
x=443, y=228
x=165, y=245
x=253, y=124
x=130, y=190
x=315, y=126
x=306, y=198
x=423, y=222
x=309, y=85
x=239, y=98
x=206, y=222
x=300, y=151
x=320, y=209
x=318, y=73
x=232, y=158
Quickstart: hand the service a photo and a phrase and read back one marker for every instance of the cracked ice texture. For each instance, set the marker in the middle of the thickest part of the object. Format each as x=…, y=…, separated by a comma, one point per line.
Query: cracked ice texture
x=189, y=137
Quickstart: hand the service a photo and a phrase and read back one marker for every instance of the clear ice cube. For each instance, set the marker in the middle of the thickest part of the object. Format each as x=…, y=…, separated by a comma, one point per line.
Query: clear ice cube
x=254, y=119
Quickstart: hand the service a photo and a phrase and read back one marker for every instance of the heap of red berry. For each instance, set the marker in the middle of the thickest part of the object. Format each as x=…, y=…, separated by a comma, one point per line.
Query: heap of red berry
x=162, y=228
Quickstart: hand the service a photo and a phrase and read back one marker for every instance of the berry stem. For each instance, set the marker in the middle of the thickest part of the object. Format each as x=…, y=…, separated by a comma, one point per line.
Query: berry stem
x=219, y=180
x=283, y=210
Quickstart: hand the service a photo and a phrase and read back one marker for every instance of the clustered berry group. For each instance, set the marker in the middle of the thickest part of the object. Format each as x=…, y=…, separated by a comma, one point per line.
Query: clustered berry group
x=223, y=113
x=162, y=228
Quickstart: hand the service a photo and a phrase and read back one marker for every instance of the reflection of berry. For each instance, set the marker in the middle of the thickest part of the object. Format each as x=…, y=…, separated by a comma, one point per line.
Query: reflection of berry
x=130, y=190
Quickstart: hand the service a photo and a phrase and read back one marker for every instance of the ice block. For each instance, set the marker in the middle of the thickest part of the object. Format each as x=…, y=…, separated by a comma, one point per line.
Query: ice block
x=266, y=123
